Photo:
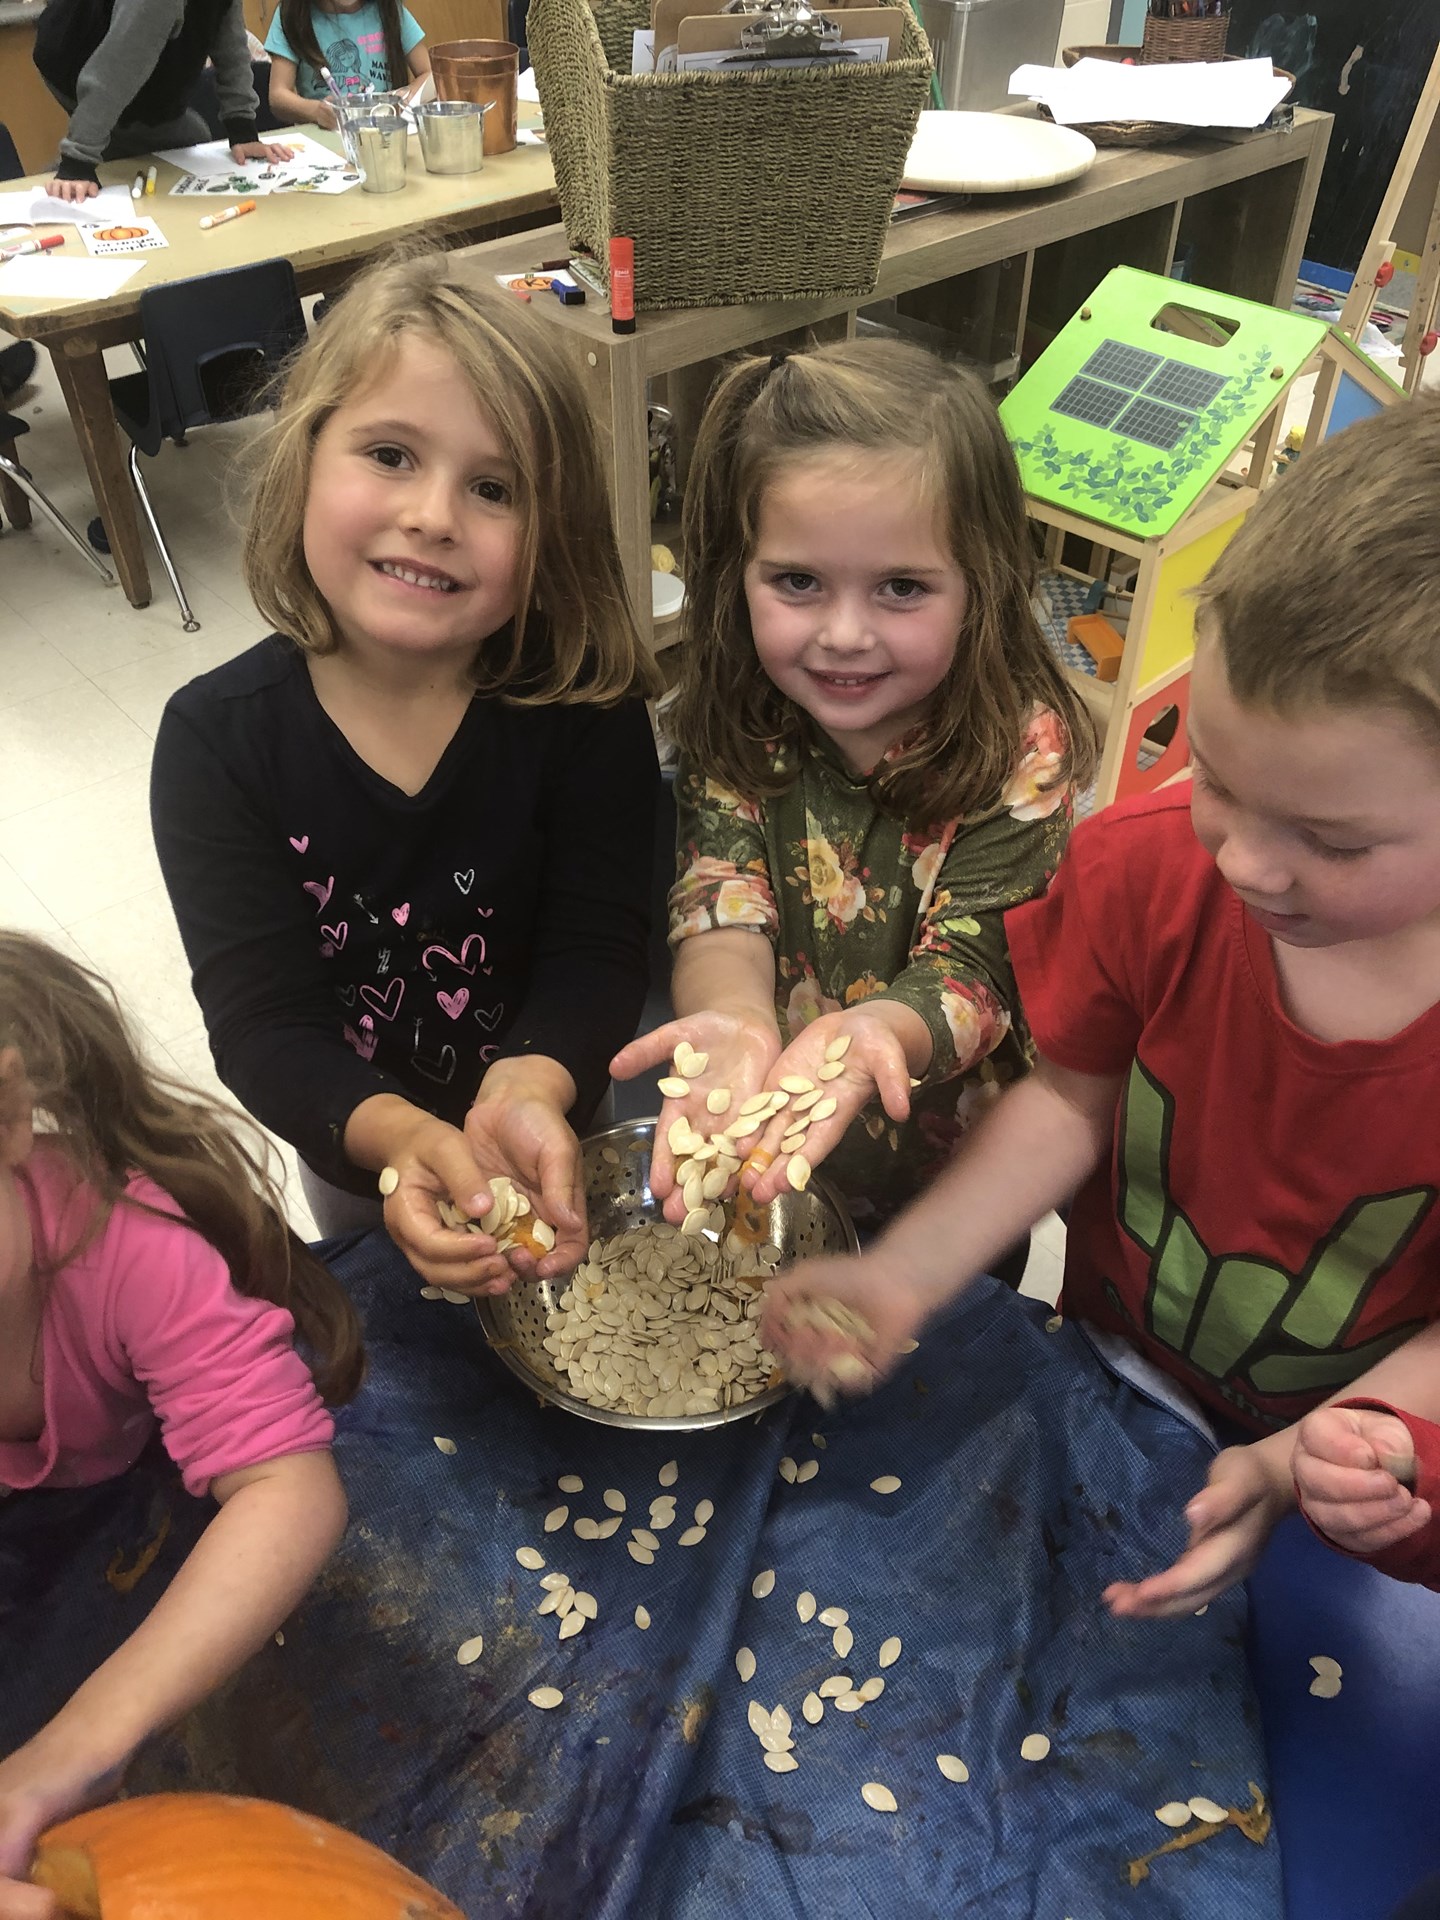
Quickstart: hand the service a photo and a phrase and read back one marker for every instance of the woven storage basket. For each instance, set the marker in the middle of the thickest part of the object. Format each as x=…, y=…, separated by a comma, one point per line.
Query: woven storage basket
x=1133, y=133
x=763, y=185
x=1166, y=40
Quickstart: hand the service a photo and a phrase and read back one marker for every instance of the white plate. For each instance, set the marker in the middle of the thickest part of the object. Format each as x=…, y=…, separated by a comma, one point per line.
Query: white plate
x=993, y=153
x=667, y=594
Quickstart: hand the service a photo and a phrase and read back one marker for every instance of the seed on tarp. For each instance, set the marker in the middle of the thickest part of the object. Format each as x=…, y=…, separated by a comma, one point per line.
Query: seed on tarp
x=763, y=1585
x=556, y=1518
x=545, y=1697
x=586, y=1528
x=455, y=1299
x=607, y=1529
x=1323, y=1663
x=1054, y=1323
x=643, y=1537
x=614, y=1499
x=805, y=1606
x=551, y=1602
x=797, y=1172
x=953, y=1767
x=1174, y=1813
x=704, y=1512
x=642, y=1618
x=1210, y=1811
x=389, y=1180
x=469, y=1651
x=669, y=1473
x=661, y=1517
x=573, y=1623
x=745, y=1664
x=886, y=1483
x=571, y=1483
x=831, y=1070
x=553, y=1582
x=774, y=1742
x=1201, y=1610
x=1034, y=1746
x=642, y=1556
x=445, y=1446
x=780, y=1720
x=872, y=1689
x=788, y=1470
x=673, y=1088
x=1325, y=1686
x=781, y=1762
x=586, y=1603
x=758, y=1718
x=837, y=1684
x=879, y=1797
x=908, y=1346
x=889, y=1651
x=834, y=1617
x=530, y=1557
x=842, y=1640
x=429, y=1293
x=806, y=1470
x=849, y=1702
x=692, y=1536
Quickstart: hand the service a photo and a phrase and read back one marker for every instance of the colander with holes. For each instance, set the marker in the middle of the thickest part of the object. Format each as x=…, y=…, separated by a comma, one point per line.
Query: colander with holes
x=617, y=1193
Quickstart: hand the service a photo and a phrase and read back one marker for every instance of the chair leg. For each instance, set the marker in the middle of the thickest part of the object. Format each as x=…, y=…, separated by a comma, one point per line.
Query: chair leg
x=187, y=618
x=13, y=498
x=12, y=474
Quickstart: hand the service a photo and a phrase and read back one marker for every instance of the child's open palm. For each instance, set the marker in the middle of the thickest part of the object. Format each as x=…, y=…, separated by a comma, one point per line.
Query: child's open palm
x=1352, y=1466
x=1231, y=1518
x=872, y=1061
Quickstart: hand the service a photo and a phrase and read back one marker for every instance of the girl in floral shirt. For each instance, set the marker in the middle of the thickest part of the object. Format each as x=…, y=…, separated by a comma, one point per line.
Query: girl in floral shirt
x=878, y=752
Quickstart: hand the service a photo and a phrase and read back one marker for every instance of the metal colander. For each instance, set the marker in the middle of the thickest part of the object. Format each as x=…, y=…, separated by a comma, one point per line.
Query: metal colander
x=617, y=1192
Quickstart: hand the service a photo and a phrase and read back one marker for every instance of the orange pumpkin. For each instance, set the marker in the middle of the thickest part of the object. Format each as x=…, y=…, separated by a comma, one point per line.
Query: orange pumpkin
x=208, y=1856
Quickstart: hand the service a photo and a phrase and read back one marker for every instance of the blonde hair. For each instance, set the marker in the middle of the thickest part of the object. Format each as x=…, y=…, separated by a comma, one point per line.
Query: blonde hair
x=583, y=646
x=1328, y=593
x=880, y=398
x=113, y=1116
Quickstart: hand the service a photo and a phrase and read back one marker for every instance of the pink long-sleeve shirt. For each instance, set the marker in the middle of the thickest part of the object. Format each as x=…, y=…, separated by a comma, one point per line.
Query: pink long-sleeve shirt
x=144, y=1324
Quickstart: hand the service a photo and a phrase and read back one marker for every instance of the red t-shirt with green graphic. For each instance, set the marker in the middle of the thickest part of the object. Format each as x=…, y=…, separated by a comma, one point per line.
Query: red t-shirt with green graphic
x=1266, y=1228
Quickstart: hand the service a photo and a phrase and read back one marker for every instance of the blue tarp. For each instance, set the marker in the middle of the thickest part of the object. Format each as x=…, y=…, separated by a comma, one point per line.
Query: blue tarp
x=1029, y=1479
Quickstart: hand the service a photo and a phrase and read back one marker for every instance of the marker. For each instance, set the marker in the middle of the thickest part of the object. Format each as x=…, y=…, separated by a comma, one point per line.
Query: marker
x=150, y=178
x=227, y=213
x=34, y=246
x=622, y=286
x=139, y=186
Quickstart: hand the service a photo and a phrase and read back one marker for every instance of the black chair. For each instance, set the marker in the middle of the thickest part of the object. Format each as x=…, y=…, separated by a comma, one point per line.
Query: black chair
x=18, y=486
x=212, y=348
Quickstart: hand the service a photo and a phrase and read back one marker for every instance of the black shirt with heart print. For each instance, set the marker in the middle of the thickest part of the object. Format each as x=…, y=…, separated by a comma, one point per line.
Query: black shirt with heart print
x=348, y=939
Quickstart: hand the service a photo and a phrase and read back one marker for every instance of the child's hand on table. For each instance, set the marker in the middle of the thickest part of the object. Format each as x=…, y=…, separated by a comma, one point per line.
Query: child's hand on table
x=1248, y=1490
x=272, y=150
x=740, y=1052
x=1352, y=1465
x=816, y=1352
x=873, y=1061
x=75, y=190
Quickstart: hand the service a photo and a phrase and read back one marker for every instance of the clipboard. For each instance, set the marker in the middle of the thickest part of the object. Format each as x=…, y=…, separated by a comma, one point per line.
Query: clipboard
x=669, y=14
x=720, y=32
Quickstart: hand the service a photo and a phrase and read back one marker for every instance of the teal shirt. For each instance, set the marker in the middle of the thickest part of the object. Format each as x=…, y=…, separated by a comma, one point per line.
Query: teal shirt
x=352, y=45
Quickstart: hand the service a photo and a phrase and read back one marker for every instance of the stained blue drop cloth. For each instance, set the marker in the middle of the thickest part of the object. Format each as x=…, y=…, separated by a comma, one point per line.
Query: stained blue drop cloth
x=1030, y=1478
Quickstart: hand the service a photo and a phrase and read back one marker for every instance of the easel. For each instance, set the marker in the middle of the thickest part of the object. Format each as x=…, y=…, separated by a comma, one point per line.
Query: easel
x=1420, y=156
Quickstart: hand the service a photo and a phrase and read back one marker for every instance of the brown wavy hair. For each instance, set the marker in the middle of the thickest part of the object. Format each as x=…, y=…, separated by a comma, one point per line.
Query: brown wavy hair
x=882, y=398
x=114, y=1116
x=299, y=29
x=573, y=637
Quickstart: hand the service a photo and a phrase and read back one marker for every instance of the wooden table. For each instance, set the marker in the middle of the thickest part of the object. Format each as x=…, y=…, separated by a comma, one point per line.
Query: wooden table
x=326, y=237
x=1233, y=213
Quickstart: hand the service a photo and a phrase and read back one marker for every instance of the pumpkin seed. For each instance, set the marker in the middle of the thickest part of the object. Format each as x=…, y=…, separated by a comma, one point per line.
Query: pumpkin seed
x=805, y=1606
x=718, y=1099
x=889, y=1651
x=780, y=1720
x=610, y=1156
x=691, y=1062
x=781, y=1762
x=757, y=1103
x=758, y=1717
x=1054, y=1323
x=886, y=1483
x=813, y=1709
x=586, y=1603
x=642, y=1618
x=793, y=1142
x=573, y=1623
x=831, y=1070
x=819, y=1442
x=745, y=1664
x=763, y=1585
x=643, y=1537
x=692, y=1536
x=795, y=1083
x=842, y=1640
x=642, y=1556
x=695, y=1221
x=824, y=1110
x=553, y=1582
x=806, y=1101
x=1324, y=1664
x=1034, y=1746
x=774, y=1742
x=1325, y=1686
x=1174, y=1813
x=872, y=1689
x=607, y=1529
x=672, y=1088
x=837, y=1684
x=564, y=1601
x=530, y=1557
x=469, y=1651
x=1208, y=1810
x=661, y=1517
x=838, y=1047
x=429, y=1293
x=570, y=1483
x=455, y=1299
x=807, y=1470
x=389, y=1180
x=614, y=1499
x=797, y=1172
x=445, y=1446
x=953, y=1767
x=545, y=1697
x=556, y=1518
x=586, y=1528
x=848, y=1702
x=879, y=1797
x=704, y=1513
x=551, y=1602
x=669, y=1473
x=834, y=1617
x=788, y=1470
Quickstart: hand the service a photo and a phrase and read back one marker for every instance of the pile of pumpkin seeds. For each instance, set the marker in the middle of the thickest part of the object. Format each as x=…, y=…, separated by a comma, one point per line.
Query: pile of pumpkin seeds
x=705, y=1166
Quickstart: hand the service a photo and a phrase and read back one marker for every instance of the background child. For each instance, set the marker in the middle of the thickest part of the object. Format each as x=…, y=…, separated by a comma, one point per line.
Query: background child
x=409, y=838
x=146, y=1275
x=856, y=815
x=124, y=70
x=374, y=42
x=1239, y=1025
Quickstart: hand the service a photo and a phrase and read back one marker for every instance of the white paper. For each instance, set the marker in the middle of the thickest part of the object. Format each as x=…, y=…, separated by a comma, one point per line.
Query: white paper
x=212, y=160
x=39, y=276
x=642, y=50
x=1188, y=93
x=528, y=87
x=137, y=234
x=34, y=207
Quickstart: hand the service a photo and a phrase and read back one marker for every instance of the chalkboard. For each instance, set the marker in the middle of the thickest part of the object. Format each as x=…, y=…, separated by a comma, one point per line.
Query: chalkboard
x=1365, y=61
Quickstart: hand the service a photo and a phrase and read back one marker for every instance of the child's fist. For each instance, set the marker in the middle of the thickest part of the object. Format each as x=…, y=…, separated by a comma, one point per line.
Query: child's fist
x=1352, y=1466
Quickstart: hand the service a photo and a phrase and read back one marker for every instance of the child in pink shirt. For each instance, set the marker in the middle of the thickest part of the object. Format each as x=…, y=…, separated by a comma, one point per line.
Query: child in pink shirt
x=147, y=1276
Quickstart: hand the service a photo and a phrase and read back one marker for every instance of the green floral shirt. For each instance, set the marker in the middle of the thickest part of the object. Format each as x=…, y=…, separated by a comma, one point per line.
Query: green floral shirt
x=857, y=906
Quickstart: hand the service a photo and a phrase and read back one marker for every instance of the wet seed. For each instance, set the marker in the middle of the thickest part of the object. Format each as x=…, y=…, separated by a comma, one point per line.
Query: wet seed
x=642, y=1556
x=837, y=1684
x=763, y=1585
x=445, y=1446
x=1174, y=1813
x=1034, y=1746
x=573, y=1623
x=805, y=1606
x=781, y=1762
x=813, y=1709
x=889, y=1651
x=642, y=1618
x=556, y=1518
x=872, y=1689
x=886, y=1483
x=530, y=1557
x=614, y=1500
x=1210, y=1811
x=842, y=1640
x=953, y=1767
x=879, y=1797
x=470, y=1651
x=788, y=1470
x=571, y=1483
x=834, y=1617
x=745, y=1664
x=806, y=1471
x=545, y=1697
x=669, y=1473
x=704, y=1513
x=692, y=1536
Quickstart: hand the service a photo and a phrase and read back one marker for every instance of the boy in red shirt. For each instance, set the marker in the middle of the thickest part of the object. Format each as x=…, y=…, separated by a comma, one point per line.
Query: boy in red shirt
x=1234, y=991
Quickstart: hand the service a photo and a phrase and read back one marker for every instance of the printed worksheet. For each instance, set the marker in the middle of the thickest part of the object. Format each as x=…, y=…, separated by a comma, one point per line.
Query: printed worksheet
x=139, y=234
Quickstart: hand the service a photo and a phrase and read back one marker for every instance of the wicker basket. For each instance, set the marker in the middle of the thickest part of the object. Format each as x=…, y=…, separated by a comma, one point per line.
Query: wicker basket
x=1134, y=133
x=763, y=185
x=1165, y=40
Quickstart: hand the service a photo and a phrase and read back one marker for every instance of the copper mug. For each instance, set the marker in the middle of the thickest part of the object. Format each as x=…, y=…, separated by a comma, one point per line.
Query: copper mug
x=487, y=73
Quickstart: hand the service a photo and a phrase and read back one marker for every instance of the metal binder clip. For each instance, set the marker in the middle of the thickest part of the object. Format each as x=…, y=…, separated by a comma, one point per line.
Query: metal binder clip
x=785, y=30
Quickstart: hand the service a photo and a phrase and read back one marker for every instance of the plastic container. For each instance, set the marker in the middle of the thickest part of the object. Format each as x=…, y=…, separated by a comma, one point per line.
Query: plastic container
x=978, y=44
x=485, y=72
